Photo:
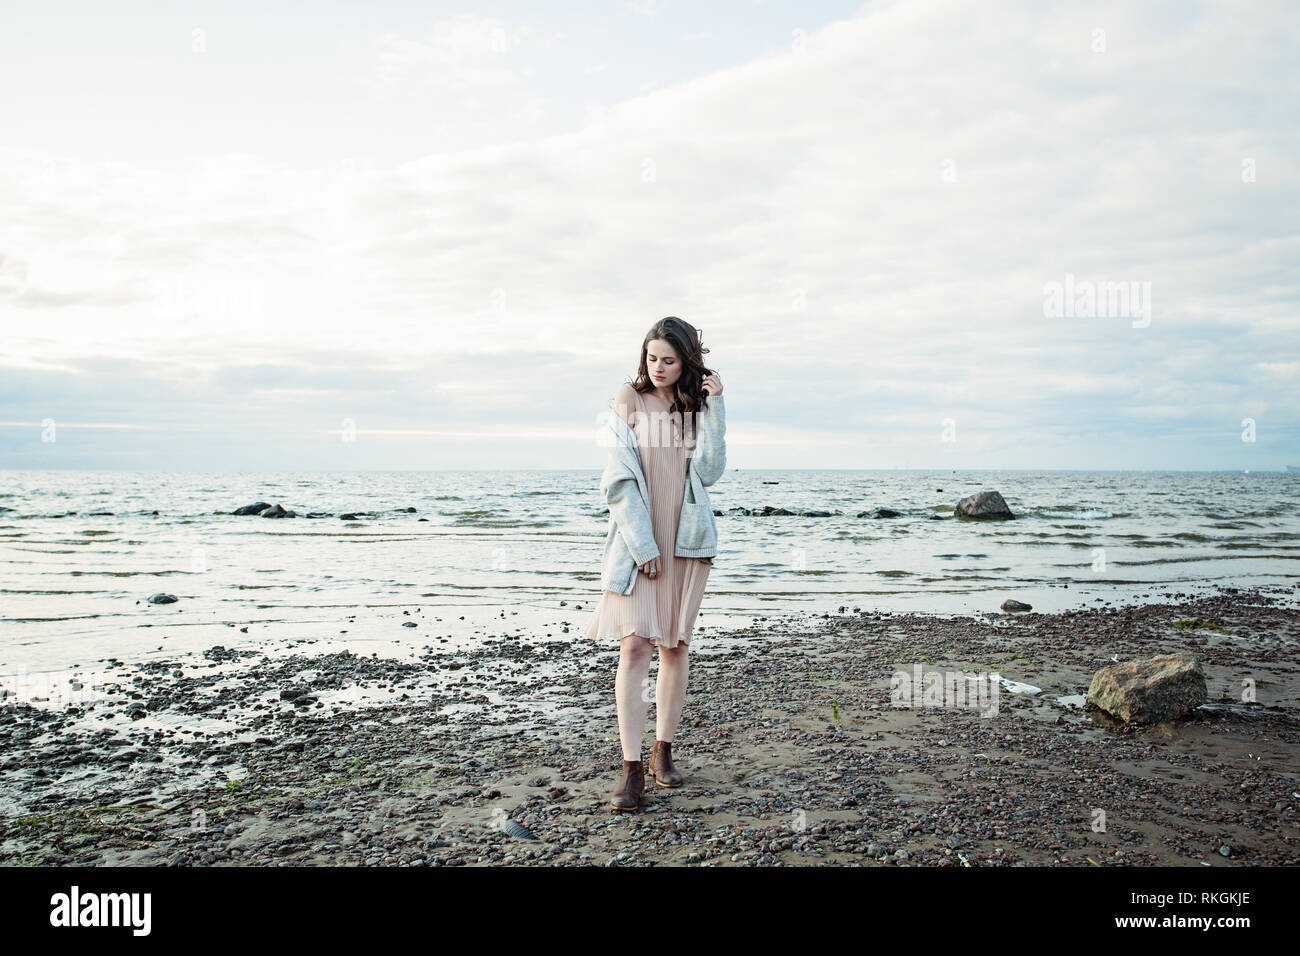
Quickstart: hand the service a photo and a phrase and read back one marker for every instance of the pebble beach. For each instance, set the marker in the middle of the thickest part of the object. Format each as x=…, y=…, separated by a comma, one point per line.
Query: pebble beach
x=793, y=750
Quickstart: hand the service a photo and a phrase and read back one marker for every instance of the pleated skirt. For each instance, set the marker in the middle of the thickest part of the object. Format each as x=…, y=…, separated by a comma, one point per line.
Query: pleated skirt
x=662, y=609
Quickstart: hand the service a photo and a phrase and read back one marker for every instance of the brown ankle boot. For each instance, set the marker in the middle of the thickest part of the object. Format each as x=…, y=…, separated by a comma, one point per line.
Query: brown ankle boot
x=630, y=787
x=661, y=765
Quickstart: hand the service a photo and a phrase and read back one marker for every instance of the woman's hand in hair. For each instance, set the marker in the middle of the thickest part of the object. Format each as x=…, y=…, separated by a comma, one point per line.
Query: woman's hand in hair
x=712, y=385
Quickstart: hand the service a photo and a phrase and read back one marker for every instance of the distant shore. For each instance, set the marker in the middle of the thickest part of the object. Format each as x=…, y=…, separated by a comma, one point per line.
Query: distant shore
x=791, y=751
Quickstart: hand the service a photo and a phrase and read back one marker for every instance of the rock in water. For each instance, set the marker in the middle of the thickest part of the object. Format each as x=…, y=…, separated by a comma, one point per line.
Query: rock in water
x=279, y=512
x=161, y=598
x=1012, y=605
x=983, y=506
x=255, y=509
x=1165, y=687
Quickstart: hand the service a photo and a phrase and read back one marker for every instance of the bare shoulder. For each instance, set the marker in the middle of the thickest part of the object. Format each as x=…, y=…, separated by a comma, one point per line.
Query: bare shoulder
x=625, y=401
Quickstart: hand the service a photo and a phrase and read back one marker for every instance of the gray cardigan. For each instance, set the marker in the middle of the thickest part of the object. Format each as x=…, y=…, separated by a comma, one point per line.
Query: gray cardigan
x=630, y=541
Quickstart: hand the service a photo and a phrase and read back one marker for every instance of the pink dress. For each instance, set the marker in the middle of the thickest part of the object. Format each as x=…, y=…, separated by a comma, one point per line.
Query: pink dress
x=661, y=609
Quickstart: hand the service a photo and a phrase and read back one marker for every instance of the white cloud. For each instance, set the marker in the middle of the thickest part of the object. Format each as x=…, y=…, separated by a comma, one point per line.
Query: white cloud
x=875, y=215
x=464, y=52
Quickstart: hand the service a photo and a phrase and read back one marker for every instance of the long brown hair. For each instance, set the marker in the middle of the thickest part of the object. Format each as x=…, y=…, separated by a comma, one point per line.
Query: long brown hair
x=689, y=345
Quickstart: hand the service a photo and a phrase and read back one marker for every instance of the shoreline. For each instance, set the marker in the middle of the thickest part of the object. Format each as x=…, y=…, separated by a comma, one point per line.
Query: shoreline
x=791, y=751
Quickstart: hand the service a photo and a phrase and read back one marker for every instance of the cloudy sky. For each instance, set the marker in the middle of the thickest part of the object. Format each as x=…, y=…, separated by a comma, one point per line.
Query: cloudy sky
x=925, y=234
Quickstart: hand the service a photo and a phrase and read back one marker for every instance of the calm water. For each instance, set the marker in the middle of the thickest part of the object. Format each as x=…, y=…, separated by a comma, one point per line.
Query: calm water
x=78, y=550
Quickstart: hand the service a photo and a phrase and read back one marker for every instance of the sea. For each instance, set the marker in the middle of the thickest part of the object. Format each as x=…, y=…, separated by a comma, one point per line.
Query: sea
x=494, y=552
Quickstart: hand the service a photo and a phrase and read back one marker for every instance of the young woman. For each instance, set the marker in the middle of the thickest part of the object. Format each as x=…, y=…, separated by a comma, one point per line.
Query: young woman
x=673, y=446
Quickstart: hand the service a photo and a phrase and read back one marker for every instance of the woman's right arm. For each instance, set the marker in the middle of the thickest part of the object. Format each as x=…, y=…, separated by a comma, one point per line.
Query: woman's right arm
x=625, y=404
x=623, y=494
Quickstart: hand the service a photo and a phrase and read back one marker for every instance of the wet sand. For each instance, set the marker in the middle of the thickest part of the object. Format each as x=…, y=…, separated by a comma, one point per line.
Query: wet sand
x=791, y=750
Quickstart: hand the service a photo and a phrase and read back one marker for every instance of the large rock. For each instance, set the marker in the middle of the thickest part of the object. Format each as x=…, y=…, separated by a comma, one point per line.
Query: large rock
x=1165, y=687
x=254, y=509
x=982, y=506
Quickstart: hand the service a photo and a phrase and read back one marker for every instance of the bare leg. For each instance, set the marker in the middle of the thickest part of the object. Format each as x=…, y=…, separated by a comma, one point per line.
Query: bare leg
x=630, y=695
x=670, y=690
